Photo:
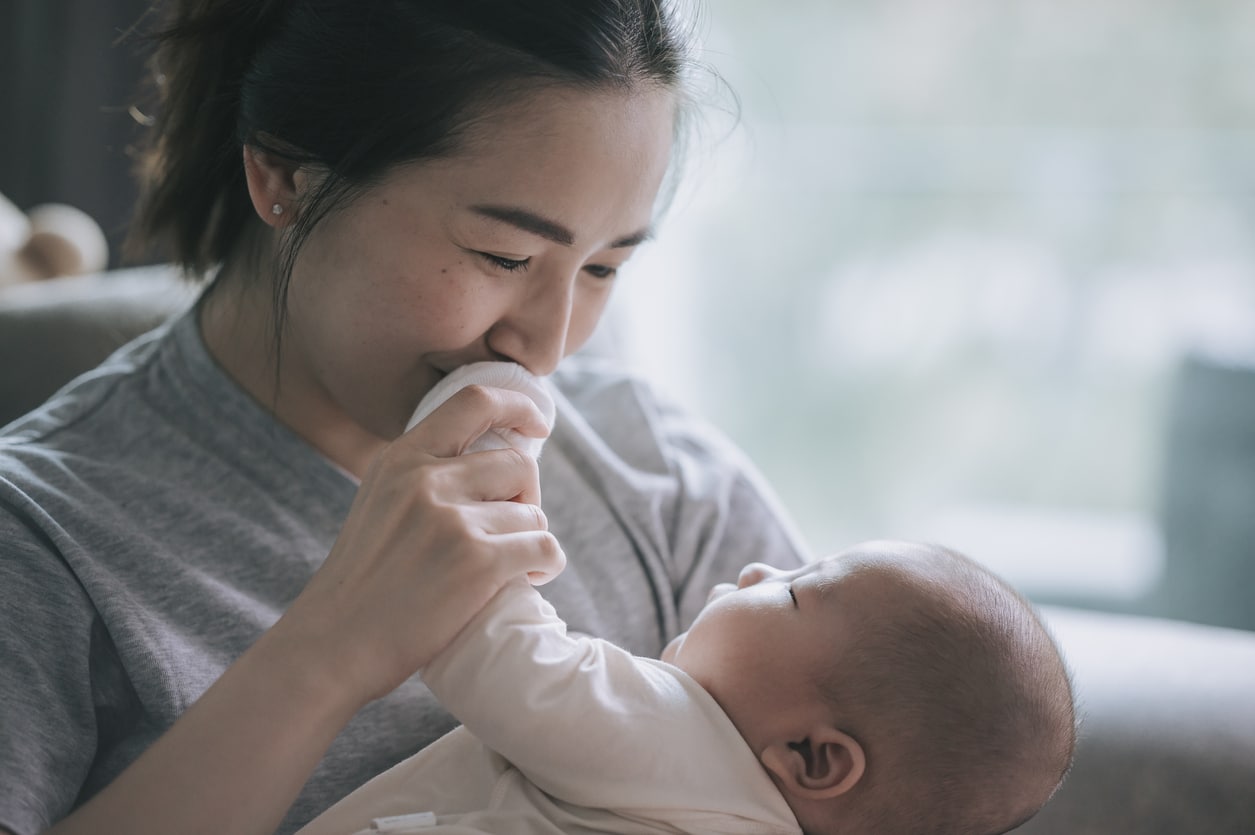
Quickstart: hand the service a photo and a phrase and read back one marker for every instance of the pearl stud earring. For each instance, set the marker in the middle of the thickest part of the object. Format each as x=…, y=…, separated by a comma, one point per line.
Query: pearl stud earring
x=276, y=209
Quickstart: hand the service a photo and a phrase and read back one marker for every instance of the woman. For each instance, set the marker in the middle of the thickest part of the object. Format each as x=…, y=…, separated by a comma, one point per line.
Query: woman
x=213, y=548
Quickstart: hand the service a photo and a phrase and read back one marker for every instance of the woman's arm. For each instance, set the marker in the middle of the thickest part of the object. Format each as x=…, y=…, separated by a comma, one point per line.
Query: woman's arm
x=237, y=758
x=429, y=539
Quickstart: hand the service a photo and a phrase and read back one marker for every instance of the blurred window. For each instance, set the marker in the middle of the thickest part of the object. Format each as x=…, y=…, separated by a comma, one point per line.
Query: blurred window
x=938, y=280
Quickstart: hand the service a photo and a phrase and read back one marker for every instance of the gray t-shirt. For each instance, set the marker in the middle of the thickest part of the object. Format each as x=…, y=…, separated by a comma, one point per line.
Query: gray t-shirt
x=155, y=521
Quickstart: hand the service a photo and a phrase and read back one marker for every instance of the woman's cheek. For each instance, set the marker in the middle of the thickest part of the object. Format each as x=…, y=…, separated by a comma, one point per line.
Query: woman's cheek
x=590, y=304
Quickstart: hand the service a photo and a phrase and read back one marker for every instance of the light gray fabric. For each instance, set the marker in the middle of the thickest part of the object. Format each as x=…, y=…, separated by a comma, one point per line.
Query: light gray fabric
x=1167, y=742
x=154, y=520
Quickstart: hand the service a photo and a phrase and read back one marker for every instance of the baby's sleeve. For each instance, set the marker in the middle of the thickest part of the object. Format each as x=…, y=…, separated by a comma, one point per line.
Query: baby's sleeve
x=583, y=719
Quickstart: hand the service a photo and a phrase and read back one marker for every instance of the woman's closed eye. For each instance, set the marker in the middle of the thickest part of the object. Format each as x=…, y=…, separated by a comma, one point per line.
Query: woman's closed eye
x=514, y=265
x=511, y=265
x=600, y=271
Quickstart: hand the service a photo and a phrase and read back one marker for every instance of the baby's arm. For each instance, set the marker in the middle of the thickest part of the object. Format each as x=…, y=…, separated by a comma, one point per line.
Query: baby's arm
x=583, y=719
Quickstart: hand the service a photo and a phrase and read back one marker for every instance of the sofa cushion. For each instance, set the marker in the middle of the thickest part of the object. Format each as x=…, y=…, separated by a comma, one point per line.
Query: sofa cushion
x=1167, y=742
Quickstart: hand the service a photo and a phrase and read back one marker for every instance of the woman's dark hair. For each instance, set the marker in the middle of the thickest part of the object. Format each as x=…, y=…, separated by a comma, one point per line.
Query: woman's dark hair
x=355, y=88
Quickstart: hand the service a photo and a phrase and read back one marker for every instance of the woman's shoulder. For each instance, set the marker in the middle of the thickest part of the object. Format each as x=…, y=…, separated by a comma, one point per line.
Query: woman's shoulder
x=611, y=413
x=592, y=380
x=602, y=401
x=52, y=457
x=620, y=403
x=81, y=398
x=103, y=432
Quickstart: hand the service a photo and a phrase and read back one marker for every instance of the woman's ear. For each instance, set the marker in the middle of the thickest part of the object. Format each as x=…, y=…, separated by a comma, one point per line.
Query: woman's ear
x=827, y=763
x=273, y=186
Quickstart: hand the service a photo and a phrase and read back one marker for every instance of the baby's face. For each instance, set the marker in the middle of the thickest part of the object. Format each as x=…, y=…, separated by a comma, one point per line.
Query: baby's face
x=758, y=645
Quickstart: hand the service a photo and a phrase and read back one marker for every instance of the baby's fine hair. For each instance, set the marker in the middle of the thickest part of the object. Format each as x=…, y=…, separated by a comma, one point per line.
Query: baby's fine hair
x=963, y=703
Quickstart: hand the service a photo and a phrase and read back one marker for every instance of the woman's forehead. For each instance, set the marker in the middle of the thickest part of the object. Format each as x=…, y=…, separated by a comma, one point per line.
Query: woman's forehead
x=583, y=160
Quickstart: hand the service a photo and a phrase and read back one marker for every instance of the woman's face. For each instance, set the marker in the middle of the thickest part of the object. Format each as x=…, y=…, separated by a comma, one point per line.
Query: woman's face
x=506, y=251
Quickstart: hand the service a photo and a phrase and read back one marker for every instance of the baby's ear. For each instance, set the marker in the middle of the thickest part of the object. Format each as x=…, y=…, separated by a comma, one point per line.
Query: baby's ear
x=827, y=763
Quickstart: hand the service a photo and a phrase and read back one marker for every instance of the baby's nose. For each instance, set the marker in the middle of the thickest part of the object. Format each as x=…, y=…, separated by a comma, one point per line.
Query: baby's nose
x=753, y=574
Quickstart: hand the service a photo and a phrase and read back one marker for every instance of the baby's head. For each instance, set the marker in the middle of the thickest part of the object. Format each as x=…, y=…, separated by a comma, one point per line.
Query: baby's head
x=893, y=688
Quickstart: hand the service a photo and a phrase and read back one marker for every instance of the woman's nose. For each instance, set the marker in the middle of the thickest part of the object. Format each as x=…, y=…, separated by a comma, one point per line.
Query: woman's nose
x=534, y=332
x=755, y=573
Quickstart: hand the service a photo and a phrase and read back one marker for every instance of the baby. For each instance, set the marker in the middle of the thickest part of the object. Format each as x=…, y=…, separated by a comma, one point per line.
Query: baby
x=893, y=688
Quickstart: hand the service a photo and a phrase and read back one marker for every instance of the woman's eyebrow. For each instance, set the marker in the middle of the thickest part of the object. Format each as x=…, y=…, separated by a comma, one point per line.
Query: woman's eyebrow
x=548, y=229
x=635, y=239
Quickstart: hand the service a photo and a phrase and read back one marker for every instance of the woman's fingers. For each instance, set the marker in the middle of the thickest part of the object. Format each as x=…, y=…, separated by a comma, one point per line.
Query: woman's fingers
x=536, y=553
x=490, y=476
x=500, y=518
x=498, y=474
x=407, y=474
x=431, y=536
x=472, y=411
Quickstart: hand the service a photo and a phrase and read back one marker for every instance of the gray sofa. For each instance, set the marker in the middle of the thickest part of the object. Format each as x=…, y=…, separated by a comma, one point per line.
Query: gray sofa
x=1168, y=734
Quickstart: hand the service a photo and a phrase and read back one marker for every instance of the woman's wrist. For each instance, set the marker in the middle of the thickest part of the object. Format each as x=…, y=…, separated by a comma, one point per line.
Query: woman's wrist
x=317, y=665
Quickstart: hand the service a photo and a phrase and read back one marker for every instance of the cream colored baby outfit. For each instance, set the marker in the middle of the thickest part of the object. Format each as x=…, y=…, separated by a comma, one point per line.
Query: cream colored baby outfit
x=566, y=734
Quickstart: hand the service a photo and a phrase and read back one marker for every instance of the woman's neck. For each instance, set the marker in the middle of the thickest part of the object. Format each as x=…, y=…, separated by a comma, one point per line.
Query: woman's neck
x=236, y=319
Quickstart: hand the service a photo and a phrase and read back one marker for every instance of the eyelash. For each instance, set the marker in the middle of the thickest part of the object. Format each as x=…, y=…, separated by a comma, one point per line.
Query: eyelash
x=512, y=265
x=597, y=271
x=794, y=596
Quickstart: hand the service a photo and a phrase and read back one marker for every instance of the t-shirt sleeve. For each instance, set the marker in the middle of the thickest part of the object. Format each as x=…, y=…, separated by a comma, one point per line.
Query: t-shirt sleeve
x=47, y=724
x=584, y=720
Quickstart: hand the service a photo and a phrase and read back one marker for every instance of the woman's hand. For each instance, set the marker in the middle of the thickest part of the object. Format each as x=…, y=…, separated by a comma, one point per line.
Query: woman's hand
x=429, y=540
x=431, y=537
